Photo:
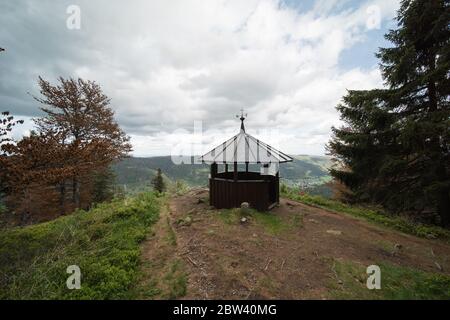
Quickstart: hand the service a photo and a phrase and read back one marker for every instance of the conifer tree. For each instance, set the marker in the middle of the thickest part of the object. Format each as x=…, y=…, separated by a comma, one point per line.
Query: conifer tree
x=395, y=144
x=158, y=182
x=103, y=185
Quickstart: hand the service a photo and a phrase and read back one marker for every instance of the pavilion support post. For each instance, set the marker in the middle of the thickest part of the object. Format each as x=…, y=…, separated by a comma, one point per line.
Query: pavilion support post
x=277, y=187
x=226, y=167
x=235, y=188
x=212, y=190
x=213, y=170
x=246, y=167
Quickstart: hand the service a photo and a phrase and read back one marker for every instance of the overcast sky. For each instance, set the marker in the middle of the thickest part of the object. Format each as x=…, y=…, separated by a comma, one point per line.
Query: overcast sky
x=167, y=65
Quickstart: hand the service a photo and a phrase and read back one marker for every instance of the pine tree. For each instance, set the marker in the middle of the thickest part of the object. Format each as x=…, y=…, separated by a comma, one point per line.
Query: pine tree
x=103, y=185
x=158, y=182
x=395, y=144
x=2, y=205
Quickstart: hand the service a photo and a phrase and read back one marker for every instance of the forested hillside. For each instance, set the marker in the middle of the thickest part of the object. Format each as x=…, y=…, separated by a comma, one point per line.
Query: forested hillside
x=137, y=172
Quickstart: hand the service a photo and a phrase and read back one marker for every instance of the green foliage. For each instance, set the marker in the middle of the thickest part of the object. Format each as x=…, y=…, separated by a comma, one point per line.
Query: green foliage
x=283, y=188
x=103, y=242
x=171, y=236
x=377, y=216
x=103, y=186
x=176, y=281
x=2, y=205
x=397, y=283
x=158, y=182
x=179, y=187
x=394, y=146
x=272, y=223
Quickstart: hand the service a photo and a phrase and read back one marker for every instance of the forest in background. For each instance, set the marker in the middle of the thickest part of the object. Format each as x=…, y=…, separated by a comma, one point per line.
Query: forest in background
x=305, y=172
x=392, y=151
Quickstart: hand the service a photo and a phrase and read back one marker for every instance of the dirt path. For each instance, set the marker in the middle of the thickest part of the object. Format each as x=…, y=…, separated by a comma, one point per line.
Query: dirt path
x=286, y=254
x=163, y=274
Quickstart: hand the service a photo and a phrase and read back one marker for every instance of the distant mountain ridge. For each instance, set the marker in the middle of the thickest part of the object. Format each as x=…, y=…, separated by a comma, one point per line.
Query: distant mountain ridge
x=135, y=172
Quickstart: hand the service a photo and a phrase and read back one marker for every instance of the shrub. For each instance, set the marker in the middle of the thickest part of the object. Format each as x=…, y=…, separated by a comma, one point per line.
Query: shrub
x=103, y=242
x=2, y=207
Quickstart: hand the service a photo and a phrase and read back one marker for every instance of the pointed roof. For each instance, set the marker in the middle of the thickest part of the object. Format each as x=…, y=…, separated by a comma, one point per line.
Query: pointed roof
x=244, y=148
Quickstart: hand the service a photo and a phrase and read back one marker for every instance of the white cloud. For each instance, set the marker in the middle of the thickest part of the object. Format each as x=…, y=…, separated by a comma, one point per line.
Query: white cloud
x=168, y=64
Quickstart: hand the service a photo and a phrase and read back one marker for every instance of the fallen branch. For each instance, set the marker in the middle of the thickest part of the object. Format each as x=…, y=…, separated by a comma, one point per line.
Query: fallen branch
x=192, y=261
x=438, y=266
x=267, y=265
x=282, y=264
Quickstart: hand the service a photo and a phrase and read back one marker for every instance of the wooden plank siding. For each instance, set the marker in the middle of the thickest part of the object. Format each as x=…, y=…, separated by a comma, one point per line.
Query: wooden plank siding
x=261, y=192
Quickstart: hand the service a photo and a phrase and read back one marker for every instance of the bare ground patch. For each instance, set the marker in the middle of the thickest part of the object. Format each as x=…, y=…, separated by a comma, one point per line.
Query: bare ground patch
x=288, y=253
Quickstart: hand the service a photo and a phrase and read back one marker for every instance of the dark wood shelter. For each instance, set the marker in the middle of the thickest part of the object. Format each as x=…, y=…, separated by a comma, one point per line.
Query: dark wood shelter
x=231, y=187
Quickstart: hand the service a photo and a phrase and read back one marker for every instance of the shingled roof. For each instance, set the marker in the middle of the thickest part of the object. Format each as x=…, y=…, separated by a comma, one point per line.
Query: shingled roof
x=244, y=148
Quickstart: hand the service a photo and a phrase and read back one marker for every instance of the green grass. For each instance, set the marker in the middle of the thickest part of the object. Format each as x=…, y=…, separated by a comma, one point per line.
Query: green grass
x=178, y=187
x=376, y=216
x=397, y=283
x=272, y=223
x=229, y=216
x=103, y=242
x=152, y=291
x=171, y=236
x=171, y=283
x=176, y=281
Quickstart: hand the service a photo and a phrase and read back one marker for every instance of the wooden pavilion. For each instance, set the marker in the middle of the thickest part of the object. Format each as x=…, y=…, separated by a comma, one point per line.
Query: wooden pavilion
x=229, y=189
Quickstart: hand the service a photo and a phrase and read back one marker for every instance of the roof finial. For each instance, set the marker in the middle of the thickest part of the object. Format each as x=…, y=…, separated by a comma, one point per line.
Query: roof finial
x=242, y=118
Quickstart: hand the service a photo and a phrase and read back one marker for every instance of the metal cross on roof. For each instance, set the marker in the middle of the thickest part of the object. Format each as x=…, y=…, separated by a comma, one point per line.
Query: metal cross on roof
x=242, y=118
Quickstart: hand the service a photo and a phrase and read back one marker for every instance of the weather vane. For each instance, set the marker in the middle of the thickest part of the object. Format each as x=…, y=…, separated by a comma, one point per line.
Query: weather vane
x=242, y=118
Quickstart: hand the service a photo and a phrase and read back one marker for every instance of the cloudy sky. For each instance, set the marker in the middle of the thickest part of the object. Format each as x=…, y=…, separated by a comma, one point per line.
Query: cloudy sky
x=179, y=71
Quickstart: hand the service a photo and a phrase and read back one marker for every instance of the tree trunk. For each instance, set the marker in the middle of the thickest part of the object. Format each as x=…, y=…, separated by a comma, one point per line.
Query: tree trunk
x=444, y=208
x=443, y=199
x=62, y=197
x=76, y=192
